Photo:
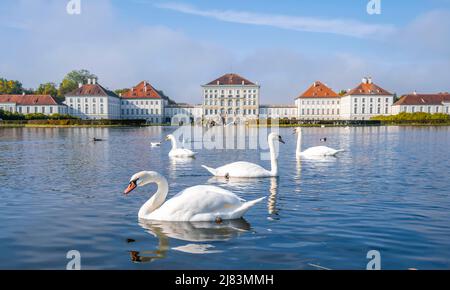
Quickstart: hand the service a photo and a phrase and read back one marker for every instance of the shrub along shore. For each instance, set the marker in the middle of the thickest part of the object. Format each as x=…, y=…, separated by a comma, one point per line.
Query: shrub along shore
x=418, y=118
x=8, y=119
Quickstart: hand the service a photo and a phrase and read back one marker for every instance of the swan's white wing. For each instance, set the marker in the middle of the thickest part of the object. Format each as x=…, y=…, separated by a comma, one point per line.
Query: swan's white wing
x=201, y=202
x=242, y=169
x=181, y=152
x=320, y=151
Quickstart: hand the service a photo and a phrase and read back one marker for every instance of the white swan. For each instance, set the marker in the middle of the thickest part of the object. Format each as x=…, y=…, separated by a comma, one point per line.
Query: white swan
x=313, y=151
x=196, y=203
x=244, y=169
x=155, y=144
x=178, y=152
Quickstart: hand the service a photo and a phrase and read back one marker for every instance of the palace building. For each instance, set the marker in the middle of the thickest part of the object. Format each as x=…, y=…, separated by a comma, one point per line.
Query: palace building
x=143, y=102
x=426, y=103
x=92, y=101
x=318, y=102
x=366, y=101
x=31, y=104
x=229, y=98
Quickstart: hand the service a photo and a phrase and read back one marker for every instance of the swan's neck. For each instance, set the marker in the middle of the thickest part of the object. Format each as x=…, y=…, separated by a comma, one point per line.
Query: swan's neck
x=174, y=143
x=299, y=143
x=157, y=199
x=273, y=158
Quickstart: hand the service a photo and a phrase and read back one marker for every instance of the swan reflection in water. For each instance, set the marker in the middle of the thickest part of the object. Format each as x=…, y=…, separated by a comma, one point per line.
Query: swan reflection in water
x=272, y=200
x=235, y=182
x=194, y=232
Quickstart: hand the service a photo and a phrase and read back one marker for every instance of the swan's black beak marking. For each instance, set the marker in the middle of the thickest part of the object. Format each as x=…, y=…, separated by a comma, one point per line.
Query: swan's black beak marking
x=281, y=140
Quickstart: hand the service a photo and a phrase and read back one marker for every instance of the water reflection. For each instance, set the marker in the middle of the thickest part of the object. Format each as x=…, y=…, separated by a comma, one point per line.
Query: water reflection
x=272, y=201
x=197, y=232
x=235, y=182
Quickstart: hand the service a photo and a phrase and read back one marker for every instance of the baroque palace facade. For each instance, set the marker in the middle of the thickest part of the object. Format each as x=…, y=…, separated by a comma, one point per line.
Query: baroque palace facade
x=229, y=98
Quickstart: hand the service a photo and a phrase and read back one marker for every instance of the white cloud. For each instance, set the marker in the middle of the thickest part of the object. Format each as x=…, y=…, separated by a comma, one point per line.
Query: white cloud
x=335, y=26
x=122, y=54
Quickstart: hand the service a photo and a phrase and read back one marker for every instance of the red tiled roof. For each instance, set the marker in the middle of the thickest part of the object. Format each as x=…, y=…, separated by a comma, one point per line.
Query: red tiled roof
x=423, y=99
x=28, y=100
x=230, y=79
x=143, y=90
x=319, y=90
x=368, y=88
x=92, y=90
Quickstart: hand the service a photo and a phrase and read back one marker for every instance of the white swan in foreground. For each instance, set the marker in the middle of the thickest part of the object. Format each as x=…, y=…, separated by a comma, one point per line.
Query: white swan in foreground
x=244, y=169
x=196, y=203
x=178, y=152
x=313, y=151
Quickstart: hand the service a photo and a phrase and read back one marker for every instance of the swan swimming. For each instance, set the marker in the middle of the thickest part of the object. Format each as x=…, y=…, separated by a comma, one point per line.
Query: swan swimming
x=196, y=203
x=245, y=169
x=155, y=144
x=313, y=151
x=178, y=152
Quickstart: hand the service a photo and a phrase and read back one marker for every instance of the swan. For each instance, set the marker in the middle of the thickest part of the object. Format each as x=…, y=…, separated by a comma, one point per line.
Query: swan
x=313, y=151
x=178, y=152
x=155, y=144
x=244, y=169
x=196, y=203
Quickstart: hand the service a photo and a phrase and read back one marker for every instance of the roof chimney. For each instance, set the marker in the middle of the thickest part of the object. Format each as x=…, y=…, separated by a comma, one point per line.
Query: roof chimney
x=89, y=81
x=23, y=93
x=218, y=82
x=145, y=86
x=369, y=80
x=94, y=81
x=415, y=92
x=80, y=84
x=364, y=80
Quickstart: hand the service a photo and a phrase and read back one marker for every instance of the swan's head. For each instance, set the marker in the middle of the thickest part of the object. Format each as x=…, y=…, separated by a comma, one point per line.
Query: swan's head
x=170, y=137
x=140, y=179
x=275, y=137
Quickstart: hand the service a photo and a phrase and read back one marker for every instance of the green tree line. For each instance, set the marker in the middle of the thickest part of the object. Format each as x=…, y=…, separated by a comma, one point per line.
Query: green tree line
x=69, y=83
x=418, y=117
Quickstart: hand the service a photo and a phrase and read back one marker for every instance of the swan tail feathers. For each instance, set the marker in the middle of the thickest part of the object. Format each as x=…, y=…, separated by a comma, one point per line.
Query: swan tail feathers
x=211, y=170
x=240, y=211
x=340, y=150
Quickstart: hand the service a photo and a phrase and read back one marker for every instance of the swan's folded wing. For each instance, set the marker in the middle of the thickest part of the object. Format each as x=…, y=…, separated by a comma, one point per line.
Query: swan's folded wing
x=201, y=199
x=241, y=169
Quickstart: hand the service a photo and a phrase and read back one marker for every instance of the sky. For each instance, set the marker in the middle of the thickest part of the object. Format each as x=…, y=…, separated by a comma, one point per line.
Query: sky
x=179, y=45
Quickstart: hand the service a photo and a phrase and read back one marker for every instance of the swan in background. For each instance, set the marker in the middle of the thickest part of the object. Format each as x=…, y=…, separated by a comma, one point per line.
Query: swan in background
x=155, y=144
x=250, y=170
x=313, y=151
x=196, y=203
x=178, y=152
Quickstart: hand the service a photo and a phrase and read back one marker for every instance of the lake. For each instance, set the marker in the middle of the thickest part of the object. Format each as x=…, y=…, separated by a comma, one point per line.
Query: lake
x=389, y=191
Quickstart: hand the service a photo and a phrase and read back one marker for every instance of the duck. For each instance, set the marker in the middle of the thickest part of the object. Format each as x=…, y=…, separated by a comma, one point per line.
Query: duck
x=313, y=151
x=178, y=152
x=198, y=203
x=243, y=169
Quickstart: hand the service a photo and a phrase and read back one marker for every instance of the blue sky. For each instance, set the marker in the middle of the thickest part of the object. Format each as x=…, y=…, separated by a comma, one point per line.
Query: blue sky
x=179, y=45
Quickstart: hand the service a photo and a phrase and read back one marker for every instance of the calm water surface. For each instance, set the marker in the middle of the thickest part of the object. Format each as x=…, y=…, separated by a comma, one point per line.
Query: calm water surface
x=390, y=191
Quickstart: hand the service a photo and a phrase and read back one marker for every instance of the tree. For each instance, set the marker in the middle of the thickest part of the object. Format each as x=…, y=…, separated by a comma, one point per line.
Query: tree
x=47, y=89
x=342, y=93
x=121, y=91
x=10, y=87
x=72, y=79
